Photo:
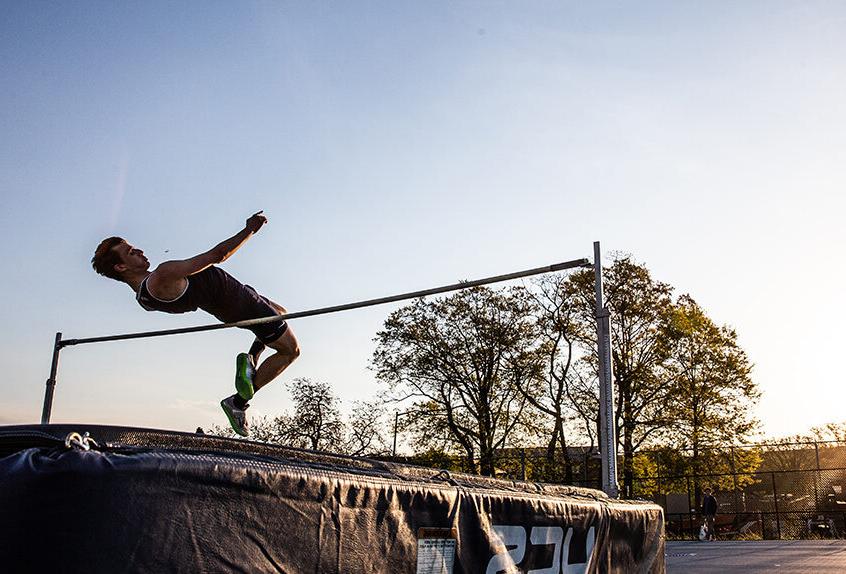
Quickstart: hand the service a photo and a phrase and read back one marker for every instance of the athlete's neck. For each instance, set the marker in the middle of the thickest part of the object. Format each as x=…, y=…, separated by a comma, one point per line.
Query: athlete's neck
x=134, y=280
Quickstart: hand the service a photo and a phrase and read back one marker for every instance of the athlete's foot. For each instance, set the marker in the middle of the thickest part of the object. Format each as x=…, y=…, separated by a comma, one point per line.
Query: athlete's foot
x=245, y=370
x=237, y=417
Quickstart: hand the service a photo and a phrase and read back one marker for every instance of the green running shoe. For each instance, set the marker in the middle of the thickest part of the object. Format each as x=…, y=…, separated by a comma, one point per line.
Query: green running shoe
x=245, y=370
x=237, y=417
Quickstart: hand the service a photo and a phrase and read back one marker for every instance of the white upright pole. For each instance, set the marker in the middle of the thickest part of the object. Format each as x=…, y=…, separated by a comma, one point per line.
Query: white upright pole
x=608, y=436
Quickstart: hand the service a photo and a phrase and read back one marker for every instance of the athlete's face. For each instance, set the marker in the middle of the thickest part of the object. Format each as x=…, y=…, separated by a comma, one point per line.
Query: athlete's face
x=131, y=258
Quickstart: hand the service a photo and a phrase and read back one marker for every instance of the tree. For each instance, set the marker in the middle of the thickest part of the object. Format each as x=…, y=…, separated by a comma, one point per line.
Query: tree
x=668, y=469
x=365, y=430
x=640, y=310
x=316, y=422
x=713, y=389
x=829, y=432
x=561, y=393
x=461, y=359
x=820, y=447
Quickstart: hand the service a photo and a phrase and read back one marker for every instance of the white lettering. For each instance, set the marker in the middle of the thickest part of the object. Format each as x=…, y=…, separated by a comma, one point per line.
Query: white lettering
x=506, y=563
x=510, y=545
x=543, y=536
x=581, y=567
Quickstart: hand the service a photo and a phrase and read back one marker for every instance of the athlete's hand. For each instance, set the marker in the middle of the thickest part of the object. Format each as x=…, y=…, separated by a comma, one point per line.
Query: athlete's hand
x=255, y=221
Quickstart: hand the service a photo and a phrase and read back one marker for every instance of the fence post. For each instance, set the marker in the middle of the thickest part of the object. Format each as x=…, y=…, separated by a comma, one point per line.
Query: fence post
x=817, y=479
x=691, y=509
x=775, y=501
x=734, y=479
x=522, y=464
x=658, y=492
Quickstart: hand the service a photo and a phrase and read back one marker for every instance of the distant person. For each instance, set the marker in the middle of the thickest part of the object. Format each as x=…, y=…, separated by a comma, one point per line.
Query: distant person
x=180, y=286
x=822, y=527
x=709, y=512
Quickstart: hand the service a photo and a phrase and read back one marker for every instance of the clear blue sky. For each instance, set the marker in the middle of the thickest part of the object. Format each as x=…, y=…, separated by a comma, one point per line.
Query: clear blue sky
x=397, y=146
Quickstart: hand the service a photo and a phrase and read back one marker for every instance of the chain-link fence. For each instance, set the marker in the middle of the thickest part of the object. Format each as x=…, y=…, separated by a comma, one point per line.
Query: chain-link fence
x=580, y=467
x=768, y=505
x=772, y=491
x=765, y=491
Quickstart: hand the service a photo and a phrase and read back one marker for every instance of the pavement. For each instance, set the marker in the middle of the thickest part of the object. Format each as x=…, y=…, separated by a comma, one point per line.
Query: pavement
x=757, y=557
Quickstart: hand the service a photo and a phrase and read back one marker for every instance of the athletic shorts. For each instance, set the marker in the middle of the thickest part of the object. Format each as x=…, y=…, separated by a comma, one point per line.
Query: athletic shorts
x=251, y=305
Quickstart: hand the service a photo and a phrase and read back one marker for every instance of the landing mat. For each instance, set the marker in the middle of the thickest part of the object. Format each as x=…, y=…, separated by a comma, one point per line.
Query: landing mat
x=144, y=500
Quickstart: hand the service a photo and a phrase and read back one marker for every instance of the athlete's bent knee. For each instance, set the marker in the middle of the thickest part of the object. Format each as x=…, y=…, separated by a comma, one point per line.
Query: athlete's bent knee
x=294, y=352
x=287, y=345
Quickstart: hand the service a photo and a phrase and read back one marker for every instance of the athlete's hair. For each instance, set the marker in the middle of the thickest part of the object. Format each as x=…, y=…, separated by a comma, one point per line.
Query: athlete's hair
x=105, y=258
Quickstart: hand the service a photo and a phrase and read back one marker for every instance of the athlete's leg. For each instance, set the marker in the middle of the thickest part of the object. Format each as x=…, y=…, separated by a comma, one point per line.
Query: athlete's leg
x=282, y=310
x=287, y=350
x=255, y=351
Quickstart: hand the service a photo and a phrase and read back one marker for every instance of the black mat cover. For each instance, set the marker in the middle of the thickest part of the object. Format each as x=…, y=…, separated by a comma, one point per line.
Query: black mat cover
x=143, y=500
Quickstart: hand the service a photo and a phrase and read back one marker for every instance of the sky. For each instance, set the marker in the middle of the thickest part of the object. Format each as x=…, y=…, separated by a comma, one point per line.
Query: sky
x=396, y=146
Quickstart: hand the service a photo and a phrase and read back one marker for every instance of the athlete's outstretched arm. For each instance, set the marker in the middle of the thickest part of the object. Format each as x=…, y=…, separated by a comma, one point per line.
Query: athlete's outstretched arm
x=170, y=270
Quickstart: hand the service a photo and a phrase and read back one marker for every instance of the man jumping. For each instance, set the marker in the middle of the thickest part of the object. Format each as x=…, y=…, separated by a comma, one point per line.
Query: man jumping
x=181, y=286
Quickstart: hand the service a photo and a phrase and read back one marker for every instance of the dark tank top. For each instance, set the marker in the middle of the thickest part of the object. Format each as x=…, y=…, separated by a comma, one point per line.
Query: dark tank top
x=213, y=290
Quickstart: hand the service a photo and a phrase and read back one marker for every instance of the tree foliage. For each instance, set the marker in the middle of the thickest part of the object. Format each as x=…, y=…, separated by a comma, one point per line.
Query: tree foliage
x=640, y=310
x=316, y=423
x=713, y=389
x=365, y=436
x=461, y=360
x=484, y=367
x=563, y=395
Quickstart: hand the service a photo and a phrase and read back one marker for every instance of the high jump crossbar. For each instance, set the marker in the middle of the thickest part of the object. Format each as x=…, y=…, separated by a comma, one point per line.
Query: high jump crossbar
x=608, y=440
x=60, y=343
